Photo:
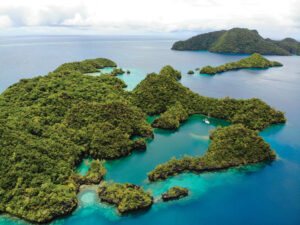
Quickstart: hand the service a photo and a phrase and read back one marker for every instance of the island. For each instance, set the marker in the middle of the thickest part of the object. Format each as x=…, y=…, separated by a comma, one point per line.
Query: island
x=230, y=147
x=190, y=72
x=117, y=71
x=256, y=60
x=126, y=197
x=238, y=40
x=162, y=94
x=49, y=124
x=175, y=193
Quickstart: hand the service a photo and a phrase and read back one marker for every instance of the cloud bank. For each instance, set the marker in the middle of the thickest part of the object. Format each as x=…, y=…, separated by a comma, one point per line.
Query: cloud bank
x=272, y=18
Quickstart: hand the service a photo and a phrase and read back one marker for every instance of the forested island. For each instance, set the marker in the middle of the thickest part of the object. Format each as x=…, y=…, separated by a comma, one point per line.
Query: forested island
x=175, y=193
x=256, y=60
x=238, y=40
x=48, y=124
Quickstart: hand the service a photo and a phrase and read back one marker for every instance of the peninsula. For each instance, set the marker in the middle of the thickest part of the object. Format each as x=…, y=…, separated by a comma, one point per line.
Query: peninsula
x=49, y=124
x=238, y=40
x=254, y=61
x=231, y=146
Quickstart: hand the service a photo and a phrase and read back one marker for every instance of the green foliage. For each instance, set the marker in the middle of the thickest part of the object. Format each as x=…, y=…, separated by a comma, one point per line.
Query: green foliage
x=245, y=41
x=238, y=40
x=289, y=44
x=199, y=42
x=190, y=72
x=171, y=72
x=171, y=118
x=117, y=71
x=47, y=125
x=209, y=70
x=230, y=146
x=127, y=197
x=87, y=66
x=254, y=61
x=159, y=93
x=95, y=174
x=175, y=193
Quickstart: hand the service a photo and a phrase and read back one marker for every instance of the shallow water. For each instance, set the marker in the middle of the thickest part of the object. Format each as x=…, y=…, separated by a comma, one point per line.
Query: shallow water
x=84, y=166
x=262, y=194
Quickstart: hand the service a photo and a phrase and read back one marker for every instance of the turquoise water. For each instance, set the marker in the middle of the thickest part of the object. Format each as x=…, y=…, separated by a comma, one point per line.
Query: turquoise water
x=84, y=166
x=132, y=79
x=261, y=194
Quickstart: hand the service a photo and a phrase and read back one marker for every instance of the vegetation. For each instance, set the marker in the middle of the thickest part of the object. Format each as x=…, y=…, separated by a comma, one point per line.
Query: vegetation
x=94, y=175
x=238, y=40
x=127, y=197
x=117, y=71
x=175, y=193
x=171, y=118
x=49, y=124
x=289, y=44
x=254, y=61
x=190, y=72
x=162, y=94
x=200, y=42
x=230, y=146
x=87, y=66
x=128, y=72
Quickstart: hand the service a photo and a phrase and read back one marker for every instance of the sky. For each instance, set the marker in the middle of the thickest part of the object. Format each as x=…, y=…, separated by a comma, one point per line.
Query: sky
x=272, y=18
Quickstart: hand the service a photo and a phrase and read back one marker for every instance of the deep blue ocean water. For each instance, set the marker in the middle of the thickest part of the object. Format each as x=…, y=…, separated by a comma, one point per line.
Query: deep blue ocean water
x=254, y=195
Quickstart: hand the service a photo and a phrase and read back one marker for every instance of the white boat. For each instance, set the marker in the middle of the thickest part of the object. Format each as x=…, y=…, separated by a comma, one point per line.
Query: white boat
x=206, y=121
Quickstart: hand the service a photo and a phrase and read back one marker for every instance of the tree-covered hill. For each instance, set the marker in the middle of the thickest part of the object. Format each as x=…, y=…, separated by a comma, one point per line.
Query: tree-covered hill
x=199, y=42
x=238, y=40
x=162, y=94
x=289, y=44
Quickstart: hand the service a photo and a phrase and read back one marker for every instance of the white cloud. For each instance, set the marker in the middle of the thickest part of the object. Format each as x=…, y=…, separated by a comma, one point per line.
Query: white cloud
x=5, y=21
x=135, y=16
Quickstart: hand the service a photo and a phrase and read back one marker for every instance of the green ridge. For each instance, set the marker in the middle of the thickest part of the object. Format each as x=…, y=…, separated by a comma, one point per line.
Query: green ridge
x=238, y=40
x=87, y=66
x=254, y=61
